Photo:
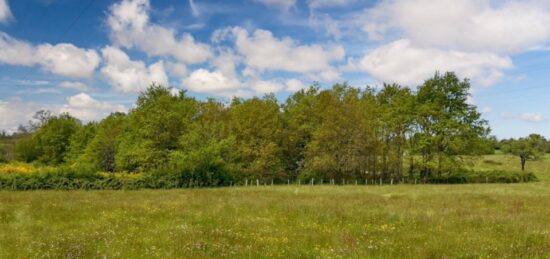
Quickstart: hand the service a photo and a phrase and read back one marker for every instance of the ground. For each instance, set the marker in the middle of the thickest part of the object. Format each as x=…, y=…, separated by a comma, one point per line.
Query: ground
x=399, y=221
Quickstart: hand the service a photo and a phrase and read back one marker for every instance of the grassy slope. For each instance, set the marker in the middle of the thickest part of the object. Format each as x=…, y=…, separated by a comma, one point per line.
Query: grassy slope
x=493, y=220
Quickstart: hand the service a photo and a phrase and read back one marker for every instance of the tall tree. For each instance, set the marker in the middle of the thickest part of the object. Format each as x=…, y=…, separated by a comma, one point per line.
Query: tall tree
x=53, y=138
x=256, y=125
x=447, y=125
x=154, y=128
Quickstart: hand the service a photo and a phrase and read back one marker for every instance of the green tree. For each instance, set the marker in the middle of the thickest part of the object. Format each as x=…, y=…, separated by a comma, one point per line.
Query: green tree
x=52, y=139
x=207, y=151
x=256, y=125
x=345, y=139
x=447, y=126
x=529, y=148
x=101, y=150
x=396, y=116
x=301, y=117
x=154, y=128
x=79, y=141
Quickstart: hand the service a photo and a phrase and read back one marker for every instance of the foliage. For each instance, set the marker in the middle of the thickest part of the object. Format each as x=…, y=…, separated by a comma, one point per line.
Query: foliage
x=52, y=139
x=338, y=133
x=529, y=148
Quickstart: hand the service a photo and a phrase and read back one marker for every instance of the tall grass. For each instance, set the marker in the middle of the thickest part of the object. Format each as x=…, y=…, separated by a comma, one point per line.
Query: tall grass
x=399, y=221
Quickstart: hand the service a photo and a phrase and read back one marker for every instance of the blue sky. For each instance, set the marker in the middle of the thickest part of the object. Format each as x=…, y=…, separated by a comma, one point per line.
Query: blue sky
x=92, y=57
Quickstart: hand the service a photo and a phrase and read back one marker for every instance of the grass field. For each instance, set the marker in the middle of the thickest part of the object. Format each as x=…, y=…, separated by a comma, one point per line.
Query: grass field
x=399, y=221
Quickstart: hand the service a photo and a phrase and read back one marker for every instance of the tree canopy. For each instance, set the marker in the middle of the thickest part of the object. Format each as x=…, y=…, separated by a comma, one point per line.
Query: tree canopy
x=339, y=133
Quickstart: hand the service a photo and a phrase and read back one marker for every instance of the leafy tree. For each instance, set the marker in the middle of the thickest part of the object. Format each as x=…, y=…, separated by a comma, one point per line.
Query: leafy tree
x=340, y=145
x=529, y=148
x=52, y=140
x=447, y=125
x=79, y=141
x=101, y=150
x=301, y=117
x=397, y=111
x=206, y=149
x=154, y=128
x=256, y=125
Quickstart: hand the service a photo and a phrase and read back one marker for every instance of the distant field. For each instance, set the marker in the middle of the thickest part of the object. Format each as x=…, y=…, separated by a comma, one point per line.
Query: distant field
x=439, y=221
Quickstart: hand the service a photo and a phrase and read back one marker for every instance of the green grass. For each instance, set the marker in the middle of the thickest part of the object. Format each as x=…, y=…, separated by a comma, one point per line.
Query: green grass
x=400, y=221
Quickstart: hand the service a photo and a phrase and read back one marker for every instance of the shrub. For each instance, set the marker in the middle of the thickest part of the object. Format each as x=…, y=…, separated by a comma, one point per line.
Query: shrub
x=494, y=176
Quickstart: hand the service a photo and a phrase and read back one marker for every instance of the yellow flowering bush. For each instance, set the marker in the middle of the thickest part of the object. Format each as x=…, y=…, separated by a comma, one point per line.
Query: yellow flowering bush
x=17, y=168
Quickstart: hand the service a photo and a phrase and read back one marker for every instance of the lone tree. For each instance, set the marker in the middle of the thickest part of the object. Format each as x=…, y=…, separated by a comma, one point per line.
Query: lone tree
x=529, y=148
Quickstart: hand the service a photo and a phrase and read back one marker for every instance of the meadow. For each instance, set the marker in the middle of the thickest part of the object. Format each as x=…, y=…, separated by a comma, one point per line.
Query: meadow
x=398, y=221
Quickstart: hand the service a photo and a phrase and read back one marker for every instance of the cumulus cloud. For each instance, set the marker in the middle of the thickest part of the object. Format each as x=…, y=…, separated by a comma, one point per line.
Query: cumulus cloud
x=5, y=12
x=294, y=85
x=402, y=62
x=284, y=5
x=508, y=26
x=86, y=108
x=262, y=51
x=74, y=85
x=204, y=81
x=126, y=75
x=62, y=59
x=129, y=26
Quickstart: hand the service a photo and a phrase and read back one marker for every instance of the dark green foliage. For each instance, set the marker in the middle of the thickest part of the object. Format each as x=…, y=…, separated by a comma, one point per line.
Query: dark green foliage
x=26, y=149
x=495, y=176
x=82, y=178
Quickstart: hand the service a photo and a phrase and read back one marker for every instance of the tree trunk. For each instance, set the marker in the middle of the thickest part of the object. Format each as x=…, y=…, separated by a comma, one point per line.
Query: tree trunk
x=523, y=160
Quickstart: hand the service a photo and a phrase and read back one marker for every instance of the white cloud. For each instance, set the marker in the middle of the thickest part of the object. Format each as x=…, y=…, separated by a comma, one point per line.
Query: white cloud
x=130, y=27
x=313, y=4
x=15, y=112
x=68, y=60
x=178, y=69
x=86, y=108
x=532, y=117
x=326, y=23
x=403, y=63
x=5, y=13
x=506, y=26
x=127, y=75
x=294, y=85
x=74, y=85
x=204, y=81
x=284, y=5
x=263, y=51
x=62, y=59
x=266, y=86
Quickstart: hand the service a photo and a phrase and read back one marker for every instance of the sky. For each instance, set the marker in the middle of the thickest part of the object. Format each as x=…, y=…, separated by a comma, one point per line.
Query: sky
x=92, y=57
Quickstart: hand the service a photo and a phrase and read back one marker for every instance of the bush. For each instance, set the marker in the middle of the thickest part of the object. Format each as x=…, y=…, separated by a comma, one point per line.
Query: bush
x=26, y=177
x=494, y=176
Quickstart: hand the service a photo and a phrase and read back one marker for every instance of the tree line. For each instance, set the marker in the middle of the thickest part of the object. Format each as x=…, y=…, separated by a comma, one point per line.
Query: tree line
x=338, y=133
